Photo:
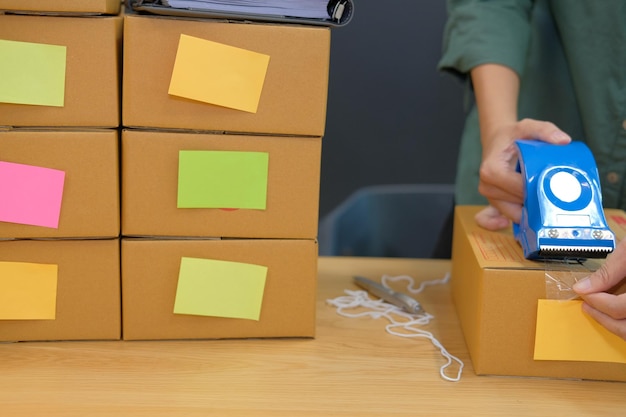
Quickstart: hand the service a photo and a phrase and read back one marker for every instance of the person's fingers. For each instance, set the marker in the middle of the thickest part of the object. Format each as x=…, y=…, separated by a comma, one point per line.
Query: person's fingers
x=616, y=326
x=508, y=187
x=498, y=177
x=490, y=218
x=612, y=305
x=612, y=272
x=512, y=211
x=541, y=130
x=499, y=181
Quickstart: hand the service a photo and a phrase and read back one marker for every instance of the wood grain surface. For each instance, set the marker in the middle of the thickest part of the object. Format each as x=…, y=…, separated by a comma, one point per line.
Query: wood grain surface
x=352, y=368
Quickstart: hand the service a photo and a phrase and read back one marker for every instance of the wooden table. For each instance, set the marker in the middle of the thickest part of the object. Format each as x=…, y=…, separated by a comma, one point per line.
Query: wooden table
x=352, y=368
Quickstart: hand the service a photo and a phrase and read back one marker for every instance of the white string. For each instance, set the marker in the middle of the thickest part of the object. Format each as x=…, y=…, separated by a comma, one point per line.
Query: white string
x=401, y=323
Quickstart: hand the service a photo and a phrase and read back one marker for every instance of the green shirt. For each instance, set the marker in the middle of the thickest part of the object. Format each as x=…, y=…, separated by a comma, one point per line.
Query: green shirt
x=571, y=59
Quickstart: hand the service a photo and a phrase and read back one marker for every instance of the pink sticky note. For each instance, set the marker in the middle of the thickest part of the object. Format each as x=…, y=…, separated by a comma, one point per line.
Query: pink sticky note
x=30, y=194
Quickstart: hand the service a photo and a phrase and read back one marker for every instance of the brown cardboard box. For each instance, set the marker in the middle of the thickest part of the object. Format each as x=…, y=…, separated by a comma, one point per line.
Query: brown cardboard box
x=293, y=97
x=92, y=73
x=90, y=206
x=496, y=292
x=88, y=289
x=87, y=7
x=150, y=187
x=150, y=273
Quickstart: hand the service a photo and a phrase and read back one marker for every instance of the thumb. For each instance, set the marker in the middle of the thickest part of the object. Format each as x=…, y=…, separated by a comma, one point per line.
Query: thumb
x=558, y=137
x=544, y=131
x=610, y=273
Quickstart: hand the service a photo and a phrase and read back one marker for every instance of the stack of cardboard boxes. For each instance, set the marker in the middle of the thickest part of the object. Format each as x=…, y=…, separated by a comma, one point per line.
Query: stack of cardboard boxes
x=220, y=203
x=59, y=181
x=200, y=215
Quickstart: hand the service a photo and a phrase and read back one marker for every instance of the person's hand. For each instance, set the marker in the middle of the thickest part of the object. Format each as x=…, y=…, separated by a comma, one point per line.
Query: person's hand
x=491, y=219
x=499, y=182
x=607, y=309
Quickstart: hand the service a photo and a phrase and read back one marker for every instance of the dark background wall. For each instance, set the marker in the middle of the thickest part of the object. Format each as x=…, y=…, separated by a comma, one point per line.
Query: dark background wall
x=392, y=117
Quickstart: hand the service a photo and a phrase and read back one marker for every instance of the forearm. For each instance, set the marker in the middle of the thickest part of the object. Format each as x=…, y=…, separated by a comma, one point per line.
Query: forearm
x=496, y=89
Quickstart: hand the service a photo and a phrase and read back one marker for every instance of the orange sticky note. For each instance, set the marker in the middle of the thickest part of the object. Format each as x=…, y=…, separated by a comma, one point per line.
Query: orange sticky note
x=28, y=291
x=218, y=74
x=566, y=333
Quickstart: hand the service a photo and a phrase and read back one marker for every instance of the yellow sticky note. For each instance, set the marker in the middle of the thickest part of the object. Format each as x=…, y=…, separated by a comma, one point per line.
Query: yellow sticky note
x=566, y=333
x=208, y=287
x=28, y=291
x=218, y=74
x=32, y=73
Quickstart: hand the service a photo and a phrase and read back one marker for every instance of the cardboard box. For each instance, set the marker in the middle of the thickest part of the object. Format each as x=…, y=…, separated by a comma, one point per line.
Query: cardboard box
x=86, y=7
x=90, y=204
x=496, y=292
x=150, y=182
x=87, y=289
x=92, y=70
x=150, y=275
x=294, y=92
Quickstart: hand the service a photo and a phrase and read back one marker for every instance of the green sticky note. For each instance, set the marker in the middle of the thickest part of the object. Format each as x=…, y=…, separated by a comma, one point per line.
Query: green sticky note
x=32, y=73
x=222, y=179
x=28, y=291
x=208, y=287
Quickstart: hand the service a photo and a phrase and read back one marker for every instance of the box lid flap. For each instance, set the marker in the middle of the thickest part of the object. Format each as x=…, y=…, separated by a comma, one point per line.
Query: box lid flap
x=500, y=250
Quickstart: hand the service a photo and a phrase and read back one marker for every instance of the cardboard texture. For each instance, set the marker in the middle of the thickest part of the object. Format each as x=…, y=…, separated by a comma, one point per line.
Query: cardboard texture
x=150, y=182
x=90, y=205
x=294, y=93
x=150, y=275
x=88, y=290
x=87, y=7
x=92, y=70
x=496, y=292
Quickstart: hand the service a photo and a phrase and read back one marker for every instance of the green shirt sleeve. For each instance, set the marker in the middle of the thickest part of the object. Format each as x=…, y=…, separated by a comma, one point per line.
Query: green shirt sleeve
x=485, y=31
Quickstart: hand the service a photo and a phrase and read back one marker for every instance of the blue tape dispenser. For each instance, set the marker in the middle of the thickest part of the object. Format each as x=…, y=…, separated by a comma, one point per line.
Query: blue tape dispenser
x=562, y=215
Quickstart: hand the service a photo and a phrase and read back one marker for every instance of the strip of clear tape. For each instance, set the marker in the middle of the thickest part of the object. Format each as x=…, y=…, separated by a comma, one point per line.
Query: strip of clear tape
x=562, y=274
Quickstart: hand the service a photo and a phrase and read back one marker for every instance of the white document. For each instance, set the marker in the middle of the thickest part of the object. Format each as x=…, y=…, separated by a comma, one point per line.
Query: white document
x=315, y=9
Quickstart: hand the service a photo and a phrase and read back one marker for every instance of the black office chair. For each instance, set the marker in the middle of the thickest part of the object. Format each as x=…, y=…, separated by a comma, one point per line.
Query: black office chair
x=407, y=221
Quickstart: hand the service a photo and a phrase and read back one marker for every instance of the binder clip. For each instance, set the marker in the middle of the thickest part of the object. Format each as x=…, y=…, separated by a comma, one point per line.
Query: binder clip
x=562, y=216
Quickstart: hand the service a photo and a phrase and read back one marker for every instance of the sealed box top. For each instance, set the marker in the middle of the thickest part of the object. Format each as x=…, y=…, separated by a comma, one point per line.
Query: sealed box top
x=501, y=250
